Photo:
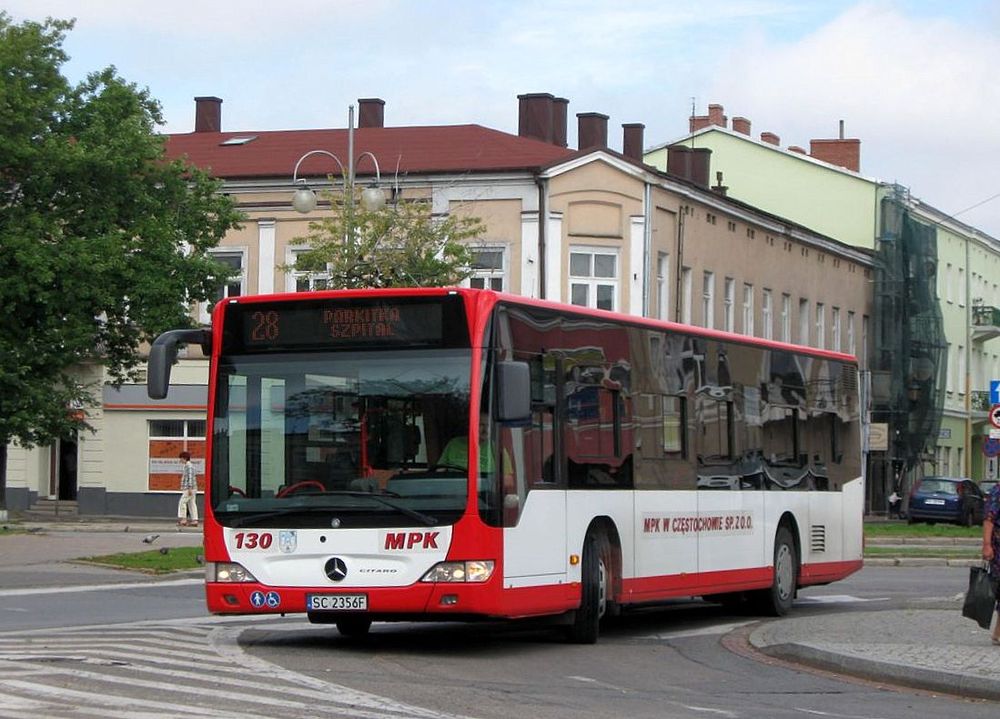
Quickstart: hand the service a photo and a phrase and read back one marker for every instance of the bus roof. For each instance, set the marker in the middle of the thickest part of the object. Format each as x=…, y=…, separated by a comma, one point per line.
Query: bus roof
x=492, y=297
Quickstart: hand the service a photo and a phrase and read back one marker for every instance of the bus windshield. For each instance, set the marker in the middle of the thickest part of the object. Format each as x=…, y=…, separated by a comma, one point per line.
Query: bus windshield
x=340, y=439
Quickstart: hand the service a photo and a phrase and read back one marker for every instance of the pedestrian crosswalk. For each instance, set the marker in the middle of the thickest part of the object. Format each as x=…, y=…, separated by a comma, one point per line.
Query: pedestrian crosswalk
x=189, y=669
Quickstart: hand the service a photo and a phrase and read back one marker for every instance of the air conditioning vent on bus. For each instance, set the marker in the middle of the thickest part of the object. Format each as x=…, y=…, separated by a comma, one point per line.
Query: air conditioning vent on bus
x=818, y=538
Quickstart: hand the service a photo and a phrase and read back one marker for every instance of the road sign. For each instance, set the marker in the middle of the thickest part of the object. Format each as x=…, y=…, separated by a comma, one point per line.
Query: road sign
x=995, y=415
x=991, y=447
x=995, y=391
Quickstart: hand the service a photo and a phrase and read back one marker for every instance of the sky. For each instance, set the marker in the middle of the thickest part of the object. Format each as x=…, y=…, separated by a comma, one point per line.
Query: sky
x=914, y=80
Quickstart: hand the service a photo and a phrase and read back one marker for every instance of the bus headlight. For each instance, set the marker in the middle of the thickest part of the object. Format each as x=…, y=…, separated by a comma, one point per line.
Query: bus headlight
x=227, y=572
x=472, y=571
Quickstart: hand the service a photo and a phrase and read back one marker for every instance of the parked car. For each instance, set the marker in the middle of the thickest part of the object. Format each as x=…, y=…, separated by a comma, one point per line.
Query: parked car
x=985, y=485
x=946, y=499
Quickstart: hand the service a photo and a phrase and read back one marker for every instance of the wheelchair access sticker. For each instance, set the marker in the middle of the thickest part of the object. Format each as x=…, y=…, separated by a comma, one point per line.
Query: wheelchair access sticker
x=260, y=600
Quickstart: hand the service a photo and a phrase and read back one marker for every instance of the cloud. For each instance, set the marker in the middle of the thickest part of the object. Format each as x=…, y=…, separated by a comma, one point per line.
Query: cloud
x=917, y=90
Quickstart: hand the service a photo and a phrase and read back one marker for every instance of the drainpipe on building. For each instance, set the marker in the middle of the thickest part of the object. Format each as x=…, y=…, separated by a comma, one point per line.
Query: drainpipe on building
x=680, y=263
x=543, y=212
x=647, y=242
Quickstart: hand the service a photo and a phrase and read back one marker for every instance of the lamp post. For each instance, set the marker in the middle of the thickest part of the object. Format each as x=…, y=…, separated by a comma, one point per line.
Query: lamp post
x=372, y=197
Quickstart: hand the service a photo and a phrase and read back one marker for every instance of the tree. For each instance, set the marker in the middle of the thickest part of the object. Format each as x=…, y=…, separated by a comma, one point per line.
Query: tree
x=103, y=242
x=401, y=245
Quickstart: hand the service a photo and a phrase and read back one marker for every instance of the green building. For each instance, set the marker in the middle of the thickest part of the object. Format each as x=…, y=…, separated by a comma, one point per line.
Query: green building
x=931, y=344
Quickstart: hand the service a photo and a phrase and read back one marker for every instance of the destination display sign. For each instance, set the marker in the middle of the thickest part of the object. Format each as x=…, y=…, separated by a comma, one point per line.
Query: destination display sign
x=318, y=324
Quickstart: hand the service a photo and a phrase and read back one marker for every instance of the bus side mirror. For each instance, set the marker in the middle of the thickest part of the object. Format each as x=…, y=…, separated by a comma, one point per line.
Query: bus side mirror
x=163, y=354
x=513, y=391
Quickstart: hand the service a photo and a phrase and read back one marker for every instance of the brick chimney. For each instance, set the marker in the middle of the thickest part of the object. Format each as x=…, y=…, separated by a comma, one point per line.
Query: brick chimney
x=560, y=107
x=843, y=152
x=535, y=116
x=715, y=116
x=592, y=130
x=741, y=125
x=679, y=161
x=371, y=112
x=701, y=163
x=208, y=114
x=770, y=138
x=632, y=140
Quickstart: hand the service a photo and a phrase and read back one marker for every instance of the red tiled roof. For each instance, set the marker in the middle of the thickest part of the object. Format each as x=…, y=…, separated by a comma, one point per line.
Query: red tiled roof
x=419, y=150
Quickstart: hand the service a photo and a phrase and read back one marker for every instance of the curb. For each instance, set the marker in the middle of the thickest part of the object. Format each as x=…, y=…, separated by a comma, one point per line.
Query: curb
x=920, y=562
x=936, y=680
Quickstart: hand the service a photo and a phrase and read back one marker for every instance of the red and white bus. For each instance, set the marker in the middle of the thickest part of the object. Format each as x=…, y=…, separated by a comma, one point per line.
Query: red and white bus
x=615, y=460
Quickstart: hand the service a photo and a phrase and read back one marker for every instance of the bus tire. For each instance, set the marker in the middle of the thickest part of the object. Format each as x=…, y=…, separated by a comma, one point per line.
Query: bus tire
x=777, y=601
x=354, y=626
x=595, y=579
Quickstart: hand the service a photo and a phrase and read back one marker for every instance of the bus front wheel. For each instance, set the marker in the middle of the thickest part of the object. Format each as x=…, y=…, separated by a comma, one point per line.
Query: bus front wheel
x=777, y=601
x=594, y=590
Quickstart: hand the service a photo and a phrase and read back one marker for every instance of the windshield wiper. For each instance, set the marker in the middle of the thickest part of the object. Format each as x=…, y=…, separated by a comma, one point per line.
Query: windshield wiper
x=384, y=498
x=381, y=498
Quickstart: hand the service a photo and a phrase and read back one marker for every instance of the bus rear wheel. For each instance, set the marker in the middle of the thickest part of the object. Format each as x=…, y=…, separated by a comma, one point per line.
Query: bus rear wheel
x=777, y=601
x=595, y=579
x=354, y=626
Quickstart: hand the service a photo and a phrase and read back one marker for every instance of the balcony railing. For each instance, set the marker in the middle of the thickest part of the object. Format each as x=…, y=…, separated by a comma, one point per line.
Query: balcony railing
x=985, y=322
x=979, y=401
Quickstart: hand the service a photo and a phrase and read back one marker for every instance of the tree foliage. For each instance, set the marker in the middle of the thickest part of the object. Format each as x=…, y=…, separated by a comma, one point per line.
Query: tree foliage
x=401, y=245
x=103, y=242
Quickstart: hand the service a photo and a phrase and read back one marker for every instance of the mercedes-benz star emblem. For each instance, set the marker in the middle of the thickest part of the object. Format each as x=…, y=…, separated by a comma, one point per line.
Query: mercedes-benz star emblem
x=336, y=569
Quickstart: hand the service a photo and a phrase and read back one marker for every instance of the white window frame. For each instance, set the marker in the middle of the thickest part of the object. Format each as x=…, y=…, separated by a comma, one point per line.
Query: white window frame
x=852, y=347
x=786, y=317
x=767, y=314
x=205, y=308
x=686, y=289
x=835, y=327
x=663, y=285
x=591, y=281
x=729, y=306
x=820, y=325
x=804, y=321
x=708, y=299
x=748, y=309
x=488, y=275
x=316, y=280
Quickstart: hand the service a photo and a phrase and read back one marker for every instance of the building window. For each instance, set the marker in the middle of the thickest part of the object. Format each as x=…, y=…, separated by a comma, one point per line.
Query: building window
x=233, y=287
x=960, y=378
x=663, y=285
x=766, y=312
x=852, y=347
x=686, y=290
x=593, y=277
x=708, y=299
x=167, y=439
x=786, y=317
x=747, y=308
x=803, y=321
x=729, y=306
x=302, y=281
x=488, y=268
x=820, y=325
x=835, y=321
x=961, y=287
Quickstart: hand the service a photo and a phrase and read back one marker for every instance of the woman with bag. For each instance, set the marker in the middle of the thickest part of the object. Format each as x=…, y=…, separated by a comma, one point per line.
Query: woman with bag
x=991, y=543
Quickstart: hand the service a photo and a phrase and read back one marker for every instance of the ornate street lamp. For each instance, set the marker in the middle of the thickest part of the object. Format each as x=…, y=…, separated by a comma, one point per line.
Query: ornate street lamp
x=372, y=197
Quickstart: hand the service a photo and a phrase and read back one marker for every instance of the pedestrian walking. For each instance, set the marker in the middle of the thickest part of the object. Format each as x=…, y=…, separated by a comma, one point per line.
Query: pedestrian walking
x=188, y=503
x=991, y=545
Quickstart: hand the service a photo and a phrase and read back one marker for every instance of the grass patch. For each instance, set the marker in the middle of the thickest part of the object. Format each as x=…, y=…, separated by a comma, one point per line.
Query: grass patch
x=6, y=529
x=923, y=552
x=176, y=559
x=921, y=529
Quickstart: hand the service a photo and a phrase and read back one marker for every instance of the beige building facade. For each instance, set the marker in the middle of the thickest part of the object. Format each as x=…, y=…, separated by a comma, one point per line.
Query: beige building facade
x=591, y=227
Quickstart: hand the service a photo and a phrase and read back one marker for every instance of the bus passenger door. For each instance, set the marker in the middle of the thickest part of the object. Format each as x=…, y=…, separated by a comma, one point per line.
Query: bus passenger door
x=535, y=534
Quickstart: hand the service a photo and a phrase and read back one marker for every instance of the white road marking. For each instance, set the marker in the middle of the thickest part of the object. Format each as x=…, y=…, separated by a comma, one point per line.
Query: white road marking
x=703, y=632
x=31, y=591
x=838, y=599
x=832, y=714
x=708, y=710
